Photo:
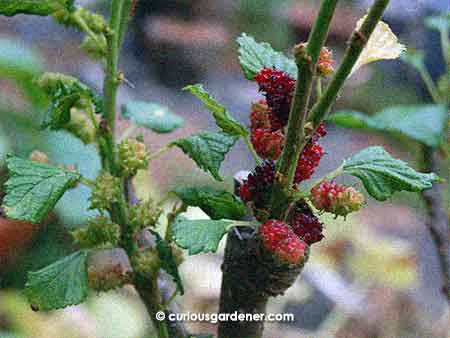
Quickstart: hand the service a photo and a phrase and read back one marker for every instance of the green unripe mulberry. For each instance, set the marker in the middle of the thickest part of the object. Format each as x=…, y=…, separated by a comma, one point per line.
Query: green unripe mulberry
x=99, y=232
x=105, y=192
x=133, y=156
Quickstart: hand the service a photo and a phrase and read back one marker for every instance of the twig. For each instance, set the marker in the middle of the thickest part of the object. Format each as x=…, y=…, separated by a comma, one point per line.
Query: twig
x=306, y=58
x=437, y=219
x=356, y=46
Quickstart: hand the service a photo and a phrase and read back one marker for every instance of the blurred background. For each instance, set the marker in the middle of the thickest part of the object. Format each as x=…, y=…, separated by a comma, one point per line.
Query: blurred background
x=376, y=275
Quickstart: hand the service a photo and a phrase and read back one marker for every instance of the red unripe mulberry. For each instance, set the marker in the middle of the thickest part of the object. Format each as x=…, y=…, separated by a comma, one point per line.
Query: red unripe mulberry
x=267, y=144
x=336, y=199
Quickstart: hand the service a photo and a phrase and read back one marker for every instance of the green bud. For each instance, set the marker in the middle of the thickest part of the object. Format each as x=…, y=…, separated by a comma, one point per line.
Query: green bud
x=92, y=48
x=144, y=215
x=94, y=21
x=99, y=232
x=147, y=263
x=133, y=156
x=106, y=191
x=444, y=86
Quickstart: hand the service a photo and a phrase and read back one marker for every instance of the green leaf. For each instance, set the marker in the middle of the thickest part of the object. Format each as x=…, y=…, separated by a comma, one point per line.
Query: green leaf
x=60, y=284
x=34, y=188
x=67, y=94
x=34, y=7
x=422, y=123
x=414, y=58
x=156, y=117
x=254, y=56
x=383, y=175
x=207, y=149
x=217, y=204
x=168, y=262
x=224, y=120
x=440, y=23
x=199, y=235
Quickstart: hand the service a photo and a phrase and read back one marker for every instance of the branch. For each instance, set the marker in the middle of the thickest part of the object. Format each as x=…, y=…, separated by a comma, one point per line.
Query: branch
x=356, y=46
x=437, y=219
x=306, y=58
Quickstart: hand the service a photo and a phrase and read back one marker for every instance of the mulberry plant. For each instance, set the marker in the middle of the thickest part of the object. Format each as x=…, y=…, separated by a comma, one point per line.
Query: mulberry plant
x=263, y=255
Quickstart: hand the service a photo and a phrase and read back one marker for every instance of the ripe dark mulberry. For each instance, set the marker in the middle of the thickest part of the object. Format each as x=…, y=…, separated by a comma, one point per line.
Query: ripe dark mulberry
x=278, y=88
x=305, y=224
x=258, y=185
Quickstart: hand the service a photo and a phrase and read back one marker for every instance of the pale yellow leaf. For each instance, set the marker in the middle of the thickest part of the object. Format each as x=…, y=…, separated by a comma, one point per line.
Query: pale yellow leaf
x=382, y=45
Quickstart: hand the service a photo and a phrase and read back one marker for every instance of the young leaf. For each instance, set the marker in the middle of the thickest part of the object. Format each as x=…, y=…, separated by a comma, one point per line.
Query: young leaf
x=224, y=120
x=168, y=262
x=66, y=94
x=34, y=188
x=207, y=149
x=199, y=235
x=156, y=117
x=422, y=123
x=383, y=175
x=217, y=204
x=34, y=7
x=254, y=56
x=60, y=284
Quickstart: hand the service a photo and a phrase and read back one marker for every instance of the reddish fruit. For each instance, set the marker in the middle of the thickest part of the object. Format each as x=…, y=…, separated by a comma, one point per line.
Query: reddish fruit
x=267, y=144
x=278, y=88
x=305, y=224
x=320, y=131
x=336, y=199
x=278, y=239
x=258, y=185
x=292, y=250
x=259, y=116
x=308, y=161
x=272, y=233
x=325, y=63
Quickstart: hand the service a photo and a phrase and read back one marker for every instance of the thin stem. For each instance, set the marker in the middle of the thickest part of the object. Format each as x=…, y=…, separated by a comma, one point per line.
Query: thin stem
x=252, y=151
x=431, y=87
x=356, y=46
x=306, y=59
x=128, y=132
x=160, y=152
x=437, y=218
x=445, y=45
x=87, y=182
x=318, y=88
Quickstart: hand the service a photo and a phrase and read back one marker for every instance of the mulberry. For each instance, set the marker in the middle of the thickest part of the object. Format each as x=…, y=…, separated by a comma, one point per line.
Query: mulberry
x=278, y=88
x=336, y=199
x=258, y=185
x=308, y=161
x=278, y=239
x=305, y=224
x=267, y=144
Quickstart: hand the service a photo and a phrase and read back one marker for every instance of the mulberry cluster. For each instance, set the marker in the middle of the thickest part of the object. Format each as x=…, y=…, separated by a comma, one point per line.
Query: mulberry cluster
x=336, y=199
x=278, y=239
x=305, y=224
x=269, y=117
